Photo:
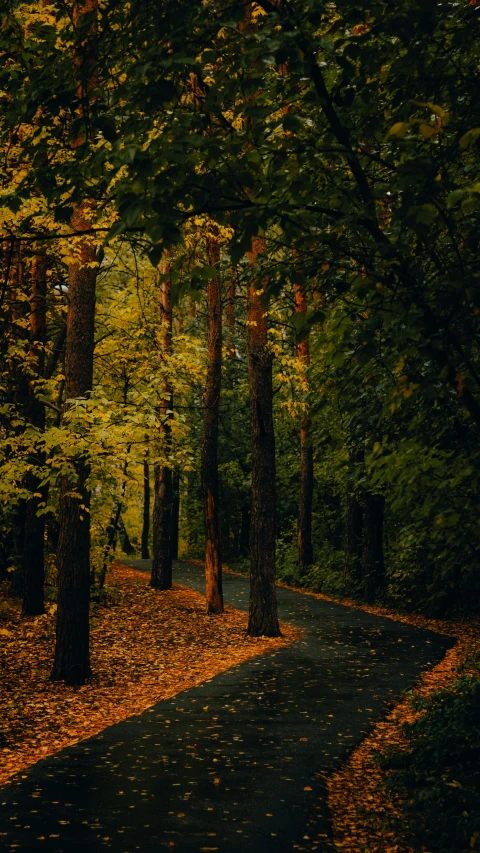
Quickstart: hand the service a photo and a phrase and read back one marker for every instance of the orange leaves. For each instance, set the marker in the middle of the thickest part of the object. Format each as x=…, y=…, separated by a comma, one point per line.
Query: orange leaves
x=359, y=805
x=145, y=648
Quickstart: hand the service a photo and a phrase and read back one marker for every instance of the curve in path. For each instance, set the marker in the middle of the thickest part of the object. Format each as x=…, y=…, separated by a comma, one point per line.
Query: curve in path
x=237, y=764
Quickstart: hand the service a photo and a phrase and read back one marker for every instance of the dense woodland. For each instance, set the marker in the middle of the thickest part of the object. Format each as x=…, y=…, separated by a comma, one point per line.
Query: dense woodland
x=239, y=308
x=239, y=301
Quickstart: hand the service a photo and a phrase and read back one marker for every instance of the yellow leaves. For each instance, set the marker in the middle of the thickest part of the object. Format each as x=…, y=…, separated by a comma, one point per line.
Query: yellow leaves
x=468, y=139
x=257, y=12
x=426, y=130
x=400, y=128
x=134, y=669
x=440, y=112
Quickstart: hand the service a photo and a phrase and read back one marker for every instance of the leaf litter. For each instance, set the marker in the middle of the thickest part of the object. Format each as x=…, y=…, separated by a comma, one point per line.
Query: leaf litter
x=363, y=812
x=146, y=646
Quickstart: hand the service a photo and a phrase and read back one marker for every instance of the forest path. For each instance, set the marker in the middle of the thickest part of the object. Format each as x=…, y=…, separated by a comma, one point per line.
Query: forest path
x=235, y=765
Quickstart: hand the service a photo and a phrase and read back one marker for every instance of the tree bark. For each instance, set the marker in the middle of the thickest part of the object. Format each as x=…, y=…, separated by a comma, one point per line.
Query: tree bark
x=146, y=509
x=20, y=392
x=354, y=525
x=373, y=561
x=72, y=659
x=263, y=619
x=209, y=462
x=175, y=515
x=72, y=646
x=33, y=551
x=244, y=540
x=304, y=526
x=161, y=577
x=230, y=316
x=353, y=538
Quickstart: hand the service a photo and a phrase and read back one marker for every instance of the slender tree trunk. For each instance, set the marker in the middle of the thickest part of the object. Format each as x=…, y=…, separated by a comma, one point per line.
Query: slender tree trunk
x=19, y=312
x=33, y=551
x=230, y=315
x=213, y=542
x=161, y=577
x=230, y=318
x=263, y=619
x=72, y=659
x=353, y=538
x=125, y=542
x=175, y=515
x=146, y=509
x=304, y=527
x=354, y=526
x=244, y=541
x=373, y=562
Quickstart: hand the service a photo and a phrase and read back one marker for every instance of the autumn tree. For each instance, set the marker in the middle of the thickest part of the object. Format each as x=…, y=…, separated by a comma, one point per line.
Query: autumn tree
x=72, y=654
x=262, y=620
x=209, y=456
x=33, y=552
x=161, y=576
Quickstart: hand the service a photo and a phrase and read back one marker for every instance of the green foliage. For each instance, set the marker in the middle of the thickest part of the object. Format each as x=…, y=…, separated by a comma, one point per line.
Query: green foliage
x=438, y=777
x=348, y=136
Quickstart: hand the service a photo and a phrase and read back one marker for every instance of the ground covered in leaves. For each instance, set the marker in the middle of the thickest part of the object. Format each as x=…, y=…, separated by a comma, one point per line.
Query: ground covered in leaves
x=366, y=815
x=146, y=646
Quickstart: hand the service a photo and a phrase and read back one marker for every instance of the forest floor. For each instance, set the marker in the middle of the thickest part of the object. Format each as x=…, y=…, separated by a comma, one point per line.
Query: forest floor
x=146, y=646
x=365, y=815
x=238, y=762
x=298, y=727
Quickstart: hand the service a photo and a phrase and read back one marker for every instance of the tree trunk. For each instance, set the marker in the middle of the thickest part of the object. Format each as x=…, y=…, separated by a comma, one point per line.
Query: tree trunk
x=19, y=312
x=125, y=542
x=230, y=314
x=72, y=660
x=373, y=562
x=161, y=577
x=146, y=509
x=33, y=551
x=175, y=515
x=353, y=525
x=353, y=538
x=263, y=620
x=244, y=541
x=304, y=527
x=213, y=541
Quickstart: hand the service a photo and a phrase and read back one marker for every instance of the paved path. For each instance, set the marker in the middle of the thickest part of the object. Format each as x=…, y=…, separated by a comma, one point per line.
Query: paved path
x=236, y=764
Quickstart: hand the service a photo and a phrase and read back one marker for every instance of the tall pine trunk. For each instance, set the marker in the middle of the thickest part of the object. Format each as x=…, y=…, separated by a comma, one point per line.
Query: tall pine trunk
x=146, y=509
x=304, y=526
x=213, y=541
x=72, y=658
x=263, y=619
x=33, y=551
x=72, y=646
x=161, y=577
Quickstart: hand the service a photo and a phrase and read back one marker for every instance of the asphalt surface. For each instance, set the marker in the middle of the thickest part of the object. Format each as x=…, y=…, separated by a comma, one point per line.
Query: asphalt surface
x=237, y=764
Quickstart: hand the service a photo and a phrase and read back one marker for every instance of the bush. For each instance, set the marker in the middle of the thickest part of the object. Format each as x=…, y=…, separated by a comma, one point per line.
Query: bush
x=438, y=778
